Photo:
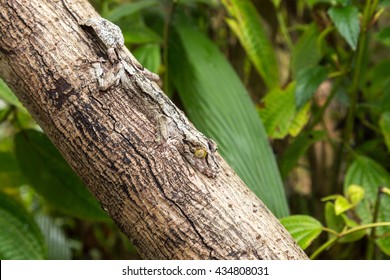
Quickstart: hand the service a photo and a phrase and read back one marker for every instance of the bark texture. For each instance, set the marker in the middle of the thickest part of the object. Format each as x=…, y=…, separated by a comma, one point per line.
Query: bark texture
x=168, y=209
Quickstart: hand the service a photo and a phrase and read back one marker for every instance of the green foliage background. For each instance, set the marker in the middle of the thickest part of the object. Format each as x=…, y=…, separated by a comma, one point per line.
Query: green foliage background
x=295, y=93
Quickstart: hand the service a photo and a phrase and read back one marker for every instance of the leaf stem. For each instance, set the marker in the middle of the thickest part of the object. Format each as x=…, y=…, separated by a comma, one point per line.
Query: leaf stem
x=324, y=246
x=339, y=235
x=330, y=231
x=369, y=10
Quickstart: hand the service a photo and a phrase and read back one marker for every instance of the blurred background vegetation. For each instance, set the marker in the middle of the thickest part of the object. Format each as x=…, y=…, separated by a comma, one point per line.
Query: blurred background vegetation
x=295, y=93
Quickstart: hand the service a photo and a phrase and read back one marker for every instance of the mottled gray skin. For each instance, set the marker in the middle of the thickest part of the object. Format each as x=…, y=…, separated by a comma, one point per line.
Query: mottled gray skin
x=197, y=149
x=110, y=35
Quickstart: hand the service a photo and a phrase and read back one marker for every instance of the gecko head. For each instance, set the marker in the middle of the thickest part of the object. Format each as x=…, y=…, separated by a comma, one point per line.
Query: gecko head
x=108, y=33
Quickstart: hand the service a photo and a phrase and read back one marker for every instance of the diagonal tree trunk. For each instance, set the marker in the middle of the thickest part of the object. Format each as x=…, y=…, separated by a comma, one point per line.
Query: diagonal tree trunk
x=171, y=204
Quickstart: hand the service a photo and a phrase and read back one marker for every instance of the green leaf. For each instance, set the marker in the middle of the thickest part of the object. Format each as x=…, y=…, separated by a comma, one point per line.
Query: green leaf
x=300, y=120
x=347, y=23
x=248, y=27
x=304, y=229
x=341, y=205
x=384, y=124
x=58, y=246
x=10, y=175
x=52, y=177
x=354, y=236
x=149, y=56
x=338, y=224
x=371, y=176
x=333, y=221
x=129, y=9
x=330, y=197
x=355, y=194
x=307, y=51
x=308, y=81
x=297, y=149
x=279, y=113
x=20, y=237
x=219, y=105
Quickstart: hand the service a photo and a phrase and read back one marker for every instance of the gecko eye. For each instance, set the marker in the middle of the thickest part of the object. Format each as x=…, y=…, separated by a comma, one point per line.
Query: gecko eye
x=200, y=153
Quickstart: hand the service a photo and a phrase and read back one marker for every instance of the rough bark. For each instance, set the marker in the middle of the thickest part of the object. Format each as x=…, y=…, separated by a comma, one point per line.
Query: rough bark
x=168, y=209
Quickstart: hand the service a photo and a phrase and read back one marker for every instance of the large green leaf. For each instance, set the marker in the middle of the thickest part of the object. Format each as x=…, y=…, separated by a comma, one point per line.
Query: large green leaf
x=248, y=27
x=371, y=176
x=219, y=105
x=20, y=237
x=347, y=22
x=304, y=229
x=52, y=177
x=279, y=114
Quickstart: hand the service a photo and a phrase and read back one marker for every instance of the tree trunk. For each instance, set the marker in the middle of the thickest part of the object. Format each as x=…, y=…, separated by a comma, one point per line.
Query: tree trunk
x=169, y=204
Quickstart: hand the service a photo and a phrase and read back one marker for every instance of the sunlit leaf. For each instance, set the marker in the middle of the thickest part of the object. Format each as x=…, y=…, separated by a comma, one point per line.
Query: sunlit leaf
x=386, y=191
x=279, y=114
x=276, y=3
x=355, y=194
x=304, y=229
x=248, y=27
x=341, y=205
